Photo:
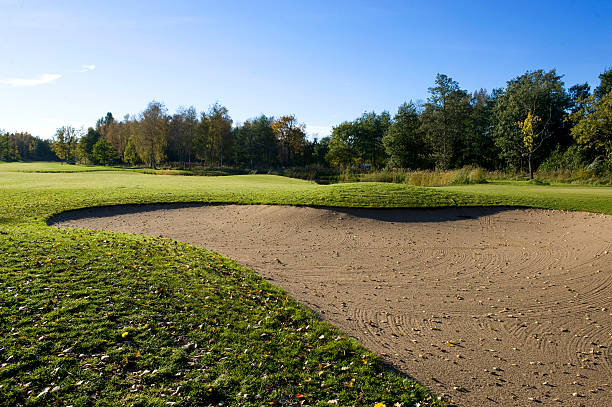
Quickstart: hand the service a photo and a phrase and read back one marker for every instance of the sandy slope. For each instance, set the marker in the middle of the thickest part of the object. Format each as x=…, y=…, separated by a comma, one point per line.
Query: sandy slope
x=486, y=306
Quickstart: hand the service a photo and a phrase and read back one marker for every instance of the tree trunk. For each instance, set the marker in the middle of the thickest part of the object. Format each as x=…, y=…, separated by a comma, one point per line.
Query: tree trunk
x=530, y=168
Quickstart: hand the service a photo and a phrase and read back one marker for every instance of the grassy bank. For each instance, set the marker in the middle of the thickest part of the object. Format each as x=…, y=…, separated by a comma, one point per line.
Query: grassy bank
x=469, y=175
x=107, y=318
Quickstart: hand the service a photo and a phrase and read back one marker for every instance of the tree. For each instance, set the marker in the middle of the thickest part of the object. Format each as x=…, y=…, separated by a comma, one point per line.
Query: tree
x=480, y=149
x=7, y=151
x=104, y=153
x=255, y=143
x=202, y=143
x=342, y=152
x=403, y=141
x=86, y=144
x=320, y=150
x=593, y=128
x=152, y=135
x=191, y=121
x=371, y=128
x=605, y=85
x=213, y=138
x=180, y=135
x=264, y=143
x=64, y=143
x=220, y=131
x=112, y=131
x=532, y=136
x=537, y=93
x=130, y=154
x=291, y=136
x=446, y=122
x=577, y=94
x=24, y=146
x=359, y=141
x=175, y=135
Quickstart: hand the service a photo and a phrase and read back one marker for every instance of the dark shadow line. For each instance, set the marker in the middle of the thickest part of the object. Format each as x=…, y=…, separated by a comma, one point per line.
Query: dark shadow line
x=393, y=215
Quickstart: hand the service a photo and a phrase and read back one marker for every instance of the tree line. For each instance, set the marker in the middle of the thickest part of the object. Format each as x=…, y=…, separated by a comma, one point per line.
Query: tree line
x=535, y=121
x=24, y=147
x=208, y=138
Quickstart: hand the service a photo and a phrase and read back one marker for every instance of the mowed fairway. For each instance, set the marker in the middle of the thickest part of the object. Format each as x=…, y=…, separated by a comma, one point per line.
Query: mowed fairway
x=107, y=317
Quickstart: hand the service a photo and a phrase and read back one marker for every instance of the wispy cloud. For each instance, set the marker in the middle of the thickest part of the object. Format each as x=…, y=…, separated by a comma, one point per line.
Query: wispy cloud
x=87, y=68
x=39, y=80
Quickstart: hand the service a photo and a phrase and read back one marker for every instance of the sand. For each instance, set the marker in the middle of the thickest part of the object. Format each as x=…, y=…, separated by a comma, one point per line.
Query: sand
x=485, y=306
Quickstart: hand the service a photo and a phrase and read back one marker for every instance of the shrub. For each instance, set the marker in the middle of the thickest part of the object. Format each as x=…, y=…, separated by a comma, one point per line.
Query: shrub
x=571, y=159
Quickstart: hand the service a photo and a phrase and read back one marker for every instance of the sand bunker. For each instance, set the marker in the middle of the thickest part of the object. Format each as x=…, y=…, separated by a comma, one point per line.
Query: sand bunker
x=483, y=305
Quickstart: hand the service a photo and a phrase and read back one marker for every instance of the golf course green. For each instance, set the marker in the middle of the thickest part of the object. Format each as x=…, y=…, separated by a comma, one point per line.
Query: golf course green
x=106, y=318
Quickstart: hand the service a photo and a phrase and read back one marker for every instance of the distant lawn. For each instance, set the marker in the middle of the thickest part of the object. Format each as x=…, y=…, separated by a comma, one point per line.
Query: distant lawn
x=107, y=318
x=559, y=196
x=41, y=166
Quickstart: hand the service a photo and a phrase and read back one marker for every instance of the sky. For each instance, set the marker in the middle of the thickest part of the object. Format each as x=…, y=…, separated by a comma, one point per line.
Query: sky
x=70, y=62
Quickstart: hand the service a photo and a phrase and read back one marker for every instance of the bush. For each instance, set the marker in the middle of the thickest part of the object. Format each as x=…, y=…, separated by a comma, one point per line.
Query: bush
x=477, y=176
x=571, y=159
x=314, y=172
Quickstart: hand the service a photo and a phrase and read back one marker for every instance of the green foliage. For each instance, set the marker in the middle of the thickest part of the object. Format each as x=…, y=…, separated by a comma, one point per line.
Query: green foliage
x=202, y=145
x=314, y=172
x=454, y=129
x=85, y=146
x=571, y=159
x=220, y=131
x=593, y=128
x=372, y=127
x=359, y=141
x=605, y=85
x=64, y=143
x=342, y=152
x=465, y=175
x=480, y=148
x=403, y=141
x=537, y=93
x=446, y=122
x=103, y=152
x=152, y=134
x=577, y=94
x=320, y=150
x=130, y=154
x=213, y=136
x=23, y=146
x=180, y=135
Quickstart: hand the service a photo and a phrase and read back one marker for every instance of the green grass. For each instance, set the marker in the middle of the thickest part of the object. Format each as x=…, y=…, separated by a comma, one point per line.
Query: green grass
x=106, y=318
x=559, y=196
x=42, y=166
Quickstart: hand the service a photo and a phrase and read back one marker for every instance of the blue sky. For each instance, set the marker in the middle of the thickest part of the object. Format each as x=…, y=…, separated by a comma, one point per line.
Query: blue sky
x=69, y=62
